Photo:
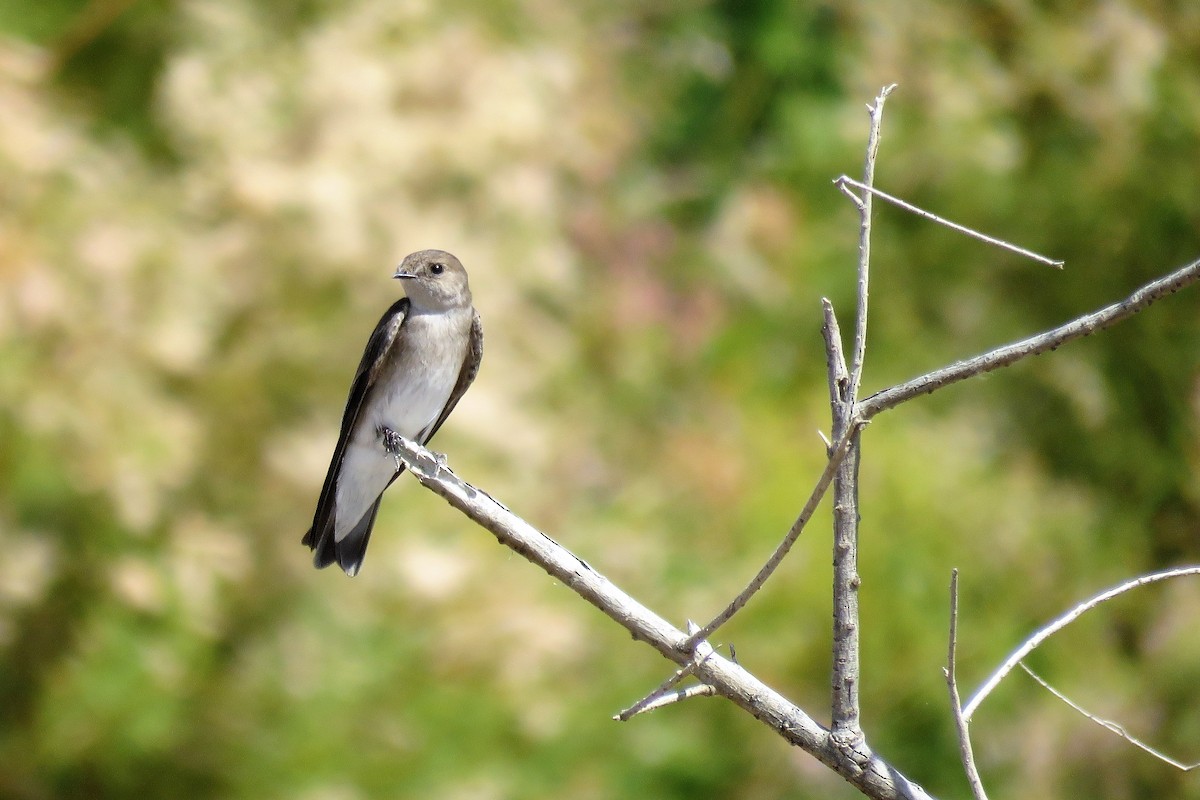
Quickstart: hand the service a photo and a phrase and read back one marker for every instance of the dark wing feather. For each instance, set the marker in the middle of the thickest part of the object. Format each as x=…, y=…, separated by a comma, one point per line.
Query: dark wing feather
x=466, y=375
x=320, y=536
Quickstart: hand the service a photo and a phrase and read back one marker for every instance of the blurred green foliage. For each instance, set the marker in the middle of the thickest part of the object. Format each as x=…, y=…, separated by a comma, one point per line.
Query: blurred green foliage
x=200, y=204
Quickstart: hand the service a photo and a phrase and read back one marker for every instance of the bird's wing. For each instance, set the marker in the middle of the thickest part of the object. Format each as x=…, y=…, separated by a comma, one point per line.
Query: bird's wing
x=321, y=533
x=466, y=375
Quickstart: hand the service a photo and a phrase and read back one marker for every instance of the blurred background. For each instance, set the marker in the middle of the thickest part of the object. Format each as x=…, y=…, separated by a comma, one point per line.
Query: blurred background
x=202, y=202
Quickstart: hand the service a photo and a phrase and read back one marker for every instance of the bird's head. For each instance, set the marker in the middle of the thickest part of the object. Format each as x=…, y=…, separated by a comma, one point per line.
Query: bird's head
x=434, y=280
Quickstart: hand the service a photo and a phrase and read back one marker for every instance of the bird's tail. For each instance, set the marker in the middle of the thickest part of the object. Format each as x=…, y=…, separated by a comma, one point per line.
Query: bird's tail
x=350, y=551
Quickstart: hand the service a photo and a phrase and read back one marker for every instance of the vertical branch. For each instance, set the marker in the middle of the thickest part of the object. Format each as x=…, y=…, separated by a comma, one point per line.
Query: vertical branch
x=960, y=722
x=843, y=395
x=845, y=598
x=864, y=243
x=845, y=584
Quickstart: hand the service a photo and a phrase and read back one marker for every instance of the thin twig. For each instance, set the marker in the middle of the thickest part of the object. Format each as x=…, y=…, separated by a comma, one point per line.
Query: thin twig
x=781, y=550
x=841, y=183
x=960, y=722
x=643, y=704
x=1042, y=342
x=846, y=180
x=864, y=242
x=660, y=699
x=1115, y=727
x=1030, y=644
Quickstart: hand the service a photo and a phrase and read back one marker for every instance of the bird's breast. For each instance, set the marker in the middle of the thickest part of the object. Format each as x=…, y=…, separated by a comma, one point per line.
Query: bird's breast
x=420, y=372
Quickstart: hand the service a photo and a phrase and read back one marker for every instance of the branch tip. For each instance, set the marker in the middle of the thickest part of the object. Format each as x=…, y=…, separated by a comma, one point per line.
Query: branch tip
x=1115, y=727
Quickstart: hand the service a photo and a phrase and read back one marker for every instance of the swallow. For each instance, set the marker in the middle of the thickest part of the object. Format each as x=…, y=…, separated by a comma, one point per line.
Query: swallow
x=417, y=365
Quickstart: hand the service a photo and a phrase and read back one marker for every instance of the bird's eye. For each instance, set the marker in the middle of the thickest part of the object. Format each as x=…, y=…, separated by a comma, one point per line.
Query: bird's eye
x=437, y=269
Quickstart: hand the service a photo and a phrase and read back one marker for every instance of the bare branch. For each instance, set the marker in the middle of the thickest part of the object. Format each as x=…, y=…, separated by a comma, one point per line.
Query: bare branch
x=1063, y=621
x=781, y=550
x=864, y=770
x=1115, y=727
x=845, y=673
x=1042, y=342
x=838, y=376
x=841, y=183
x=960, y=722
x=846, y=180
x=842, y=747
x=864, y=242
x=843, y=396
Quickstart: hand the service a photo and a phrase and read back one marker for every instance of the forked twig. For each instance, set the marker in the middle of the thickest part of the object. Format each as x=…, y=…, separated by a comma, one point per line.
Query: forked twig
x=648, y=701
x=655, y=698
x=1063, y=621
x=843, y=399
x=846, y=180
x=868, y=772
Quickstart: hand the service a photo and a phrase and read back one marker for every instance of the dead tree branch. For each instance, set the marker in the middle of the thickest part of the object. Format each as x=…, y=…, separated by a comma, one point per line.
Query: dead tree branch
x=860, y=767
x=843, y=745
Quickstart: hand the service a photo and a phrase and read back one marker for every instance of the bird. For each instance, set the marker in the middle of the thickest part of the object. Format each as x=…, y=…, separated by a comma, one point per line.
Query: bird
x=420, y=360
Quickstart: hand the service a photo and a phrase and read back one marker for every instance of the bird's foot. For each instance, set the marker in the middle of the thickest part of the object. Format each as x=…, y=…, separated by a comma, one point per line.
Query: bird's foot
x=426, y=464
x=391, y=440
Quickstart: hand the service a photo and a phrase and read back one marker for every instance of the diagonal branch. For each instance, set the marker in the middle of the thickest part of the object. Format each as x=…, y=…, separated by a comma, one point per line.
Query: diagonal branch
x=836, y=455
x=864, y=770
x=1041, y=343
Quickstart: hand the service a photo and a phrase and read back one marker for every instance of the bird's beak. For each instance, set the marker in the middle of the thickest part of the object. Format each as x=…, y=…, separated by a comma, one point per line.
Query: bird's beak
x=402, y=274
